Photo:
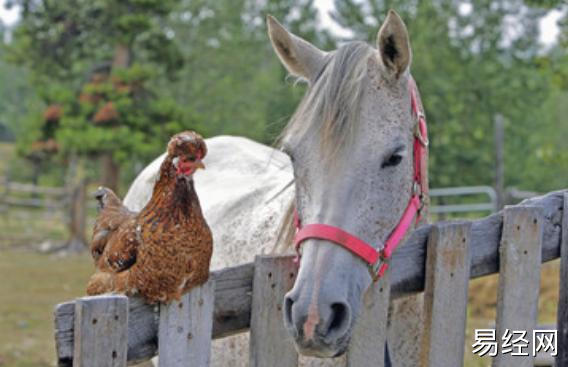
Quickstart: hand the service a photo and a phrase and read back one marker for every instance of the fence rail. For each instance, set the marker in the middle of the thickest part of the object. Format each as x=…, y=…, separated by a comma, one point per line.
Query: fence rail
x=51, y=197
x=68, y=202
x=516, y=240
x=489, y=191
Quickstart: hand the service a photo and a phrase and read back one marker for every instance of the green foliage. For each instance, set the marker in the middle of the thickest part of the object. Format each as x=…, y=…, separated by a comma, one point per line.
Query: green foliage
x=199, y=65
x=471, y=66
x=87, y=48
x=17, y=97
x=121, y=116
x=208, y=66
x=63, y=39
x=232, y=80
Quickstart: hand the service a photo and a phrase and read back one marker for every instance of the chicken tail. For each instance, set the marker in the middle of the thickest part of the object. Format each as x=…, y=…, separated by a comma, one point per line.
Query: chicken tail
x=106, y=197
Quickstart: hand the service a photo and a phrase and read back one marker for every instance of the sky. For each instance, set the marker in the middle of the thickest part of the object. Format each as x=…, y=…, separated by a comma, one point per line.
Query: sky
x=548, y=27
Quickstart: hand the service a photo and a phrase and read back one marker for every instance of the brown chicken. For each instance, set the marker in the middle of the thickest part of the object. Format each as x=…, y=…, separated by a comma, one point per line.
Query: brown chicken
x=163, y=251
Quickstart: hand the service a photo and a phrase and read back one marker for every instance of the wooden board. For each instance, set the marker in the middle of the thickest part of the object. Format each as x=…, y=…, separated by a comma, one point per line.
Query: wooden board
x=409, y=260
x=445, y=295
x=233, y=297
x=562, y=316
x=519, y=283
x=101, y=331
x=270, y=343
x=233, y=293
x=367, y=346
x=186, y=328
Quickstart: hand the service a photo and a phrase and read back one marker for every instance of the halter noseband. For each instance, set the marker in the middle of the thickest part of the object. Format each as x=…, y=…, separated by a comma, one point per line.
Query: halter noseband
x=378, y=260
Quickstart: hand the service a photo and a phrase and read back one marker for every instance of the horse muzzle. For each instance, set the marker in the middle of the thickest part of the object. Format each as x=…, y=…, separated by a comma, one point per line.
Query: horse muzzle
x=320, y=328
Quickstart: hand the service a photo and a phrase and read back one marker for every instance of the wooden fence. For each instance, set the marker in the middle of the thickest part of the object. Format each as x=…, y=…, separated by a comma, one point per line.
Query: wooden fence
x=48, y=198
x=68, y=202
x=115, y=330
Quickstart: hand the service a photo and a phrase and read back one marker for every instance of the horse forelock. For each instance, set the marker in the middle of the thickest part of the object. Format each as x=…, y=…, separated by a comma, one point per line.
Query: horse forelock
x=330, y=108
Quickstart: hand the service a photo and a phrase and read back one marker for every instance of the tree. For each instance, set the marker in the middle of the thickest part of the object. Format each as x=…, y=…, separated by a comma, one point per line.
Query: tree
x=232, y=78
x=126, y=46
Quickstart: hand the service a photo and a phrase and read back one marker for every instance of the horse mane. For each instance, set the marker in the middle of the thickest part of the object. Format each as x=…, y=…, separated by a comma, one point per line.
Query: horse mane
x=330, y=108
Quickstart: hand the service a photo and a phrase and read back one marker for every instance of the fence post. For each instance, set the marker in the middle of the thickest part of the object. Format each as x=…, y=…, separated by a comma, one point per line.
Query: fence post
x=519, y=280
x=101, y=331
x=367, y=346
x=562, y=316
x=445, y=295
x=185, y=331
x=270, y=344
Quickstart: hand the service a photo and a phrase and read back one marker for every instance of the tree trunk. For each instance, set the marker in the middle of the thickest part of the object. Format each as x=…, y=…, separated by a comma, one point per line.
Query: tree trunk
x=111, y=172
x=110, y=168
x=77, y=242
x=121, y=56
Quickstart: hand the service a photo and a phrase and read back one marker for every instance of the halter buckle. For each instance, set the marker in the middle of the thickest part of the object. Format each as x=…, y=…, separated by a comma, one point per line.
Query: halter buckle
x=418, y=133
x=417, y=191
x=374, y=269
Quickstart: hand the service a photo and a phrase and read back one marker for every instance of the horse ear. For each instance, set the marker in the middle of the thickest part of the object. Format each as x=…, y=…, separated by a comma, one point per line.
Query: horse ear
x=393, y=44
x=300, y=57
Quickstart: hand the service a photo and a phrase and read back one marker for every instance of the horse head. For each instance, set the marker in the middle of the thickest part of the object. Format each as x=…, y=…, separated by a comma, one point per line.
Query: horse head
x=351, y=142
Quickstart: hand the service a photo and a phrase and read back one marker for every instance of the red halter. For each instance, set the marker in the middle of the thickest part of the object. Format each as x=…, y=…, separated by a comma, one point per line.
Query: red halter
x=378, y=259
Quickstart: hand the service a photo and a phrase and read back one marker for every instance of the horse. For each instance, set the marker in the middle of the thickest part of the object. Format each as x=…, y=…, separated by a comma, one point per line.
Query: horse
x=346, y=160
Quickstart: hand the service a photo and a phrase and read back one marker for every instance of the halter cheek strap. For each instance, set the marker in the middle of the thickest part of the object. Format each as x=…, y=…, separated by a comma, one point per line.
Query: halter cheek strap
x=378, y=260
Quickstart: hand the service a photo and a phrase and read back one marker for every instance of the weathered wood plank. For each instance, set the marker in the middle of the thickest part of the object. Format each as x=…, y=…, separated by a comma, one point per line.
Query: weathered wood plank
x=270, y=343
x=562, y=315
x=233, y=299
x=142, y=332
x=64, y=317
x=186, y=327
x=445, y=295
x=233, y=295
x=234, y=285
x=519, y=282
x=101, y=331
x=367, y=346
x=409, y=260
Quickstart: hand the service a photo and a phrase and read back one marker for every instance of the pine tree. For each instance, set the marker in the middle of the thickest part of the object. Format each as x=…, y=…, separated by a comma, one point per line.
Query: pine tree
x=98, y=63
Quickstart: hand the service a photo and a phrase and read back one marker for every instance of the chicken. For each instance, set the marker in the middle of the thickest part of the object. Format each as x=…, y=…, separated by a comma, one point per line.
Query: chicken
x=163, y=251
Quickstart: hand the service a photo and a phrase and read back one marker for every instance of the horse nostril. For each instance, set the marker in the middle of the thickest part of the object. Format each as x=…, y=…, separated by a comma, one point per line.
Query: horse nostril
x=339, y=319
x=288, y=303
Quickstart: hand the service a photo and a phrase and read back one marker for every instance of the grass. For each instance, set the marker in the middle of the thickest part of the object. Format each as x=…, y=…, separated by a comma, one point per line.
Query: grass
x=6, y=151
x=32, y=284
x=483, y=301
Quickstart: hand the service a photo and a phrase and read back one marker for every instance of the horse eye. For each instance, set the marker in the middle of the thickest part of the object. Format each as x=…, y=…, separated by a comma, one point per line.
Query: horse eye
x=392, y=161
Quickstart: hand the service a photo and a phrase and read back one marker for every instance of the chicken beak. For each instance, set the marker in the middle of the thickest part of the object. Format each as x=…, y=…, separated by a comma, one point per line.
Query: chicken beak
x=198, y=165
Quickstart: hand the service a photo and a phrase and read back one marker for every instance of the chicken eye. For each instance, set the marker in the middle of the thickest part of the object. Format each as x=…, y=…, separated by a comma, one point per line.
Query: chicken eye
x=192, y=158
x=392, y=161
